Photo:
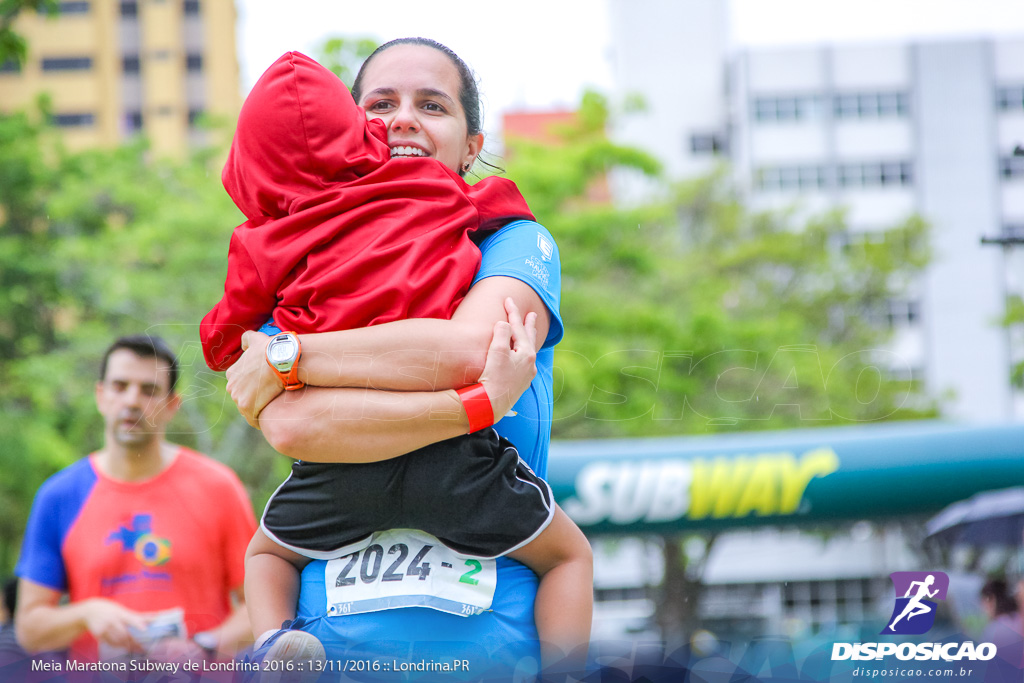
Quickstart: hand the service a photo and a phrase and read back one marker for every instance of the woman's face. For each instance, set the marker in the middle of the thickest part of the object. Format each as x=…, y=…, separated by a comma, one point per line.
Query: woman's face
x=414, y=89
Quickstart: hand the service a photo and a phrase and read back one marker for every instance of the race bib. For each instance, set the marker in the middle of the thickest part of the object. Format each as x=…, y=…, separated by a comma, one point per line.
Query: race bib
x=409, y=568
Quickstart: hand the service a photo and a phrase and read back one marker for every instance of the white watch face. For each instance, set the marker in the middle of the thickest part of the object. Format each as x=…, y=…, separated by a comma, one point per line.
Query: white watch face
x=281, y=351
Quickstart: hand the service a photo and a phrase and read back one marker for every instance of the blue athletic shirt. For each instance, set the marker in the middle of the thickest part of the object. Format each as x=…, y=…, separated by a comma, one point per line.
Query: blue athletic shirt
x=504, y=639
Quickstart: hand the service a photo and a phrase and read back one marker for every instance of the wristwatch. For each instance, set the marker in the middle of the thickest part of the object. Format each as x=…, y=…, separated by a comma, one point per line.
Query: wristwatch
x=283, y=353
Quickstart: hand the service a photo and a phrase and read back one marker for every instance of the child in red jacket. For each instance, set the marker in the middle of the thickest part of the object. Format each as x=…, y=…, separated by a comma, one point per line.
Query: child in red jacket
x=339, y=238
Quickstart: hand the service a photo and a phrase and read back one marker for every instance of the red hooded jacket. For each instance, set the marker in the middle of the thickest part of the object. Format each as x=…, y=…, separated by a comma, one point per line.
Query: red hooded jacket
x=338, y=235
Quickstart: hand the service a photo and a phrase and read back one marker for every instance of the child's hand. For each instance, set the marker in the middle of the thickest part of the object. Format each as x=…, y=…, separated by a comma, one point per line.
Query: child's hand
x=251, y=381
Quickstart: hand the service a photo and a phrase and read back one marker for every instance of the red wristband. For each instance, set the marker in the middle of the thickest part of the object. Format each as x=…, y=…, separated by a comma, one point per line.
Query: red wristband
x=478, y=406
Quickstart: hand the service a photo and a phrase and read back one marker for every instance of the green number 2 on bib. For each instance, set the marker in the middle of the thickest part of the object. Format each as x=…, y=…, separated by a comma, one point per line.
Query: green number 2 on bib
x=409, y=568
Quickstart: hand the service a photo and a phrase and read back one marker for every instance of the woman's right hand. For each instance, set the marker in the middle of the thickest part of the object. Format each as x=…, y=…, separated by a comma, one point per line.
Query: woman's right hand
x=511, y=359
x=251, y=381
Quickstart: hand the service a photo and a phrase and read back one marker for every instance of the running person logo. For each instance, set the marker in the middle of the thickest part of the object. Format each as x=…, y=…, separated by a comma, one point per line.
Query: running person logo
x=916, y=596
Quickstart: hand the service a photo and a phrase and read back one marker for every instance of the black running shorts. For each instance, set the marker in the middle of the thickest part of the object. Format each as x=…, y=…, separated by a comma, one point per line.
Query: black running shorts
x=472, y=492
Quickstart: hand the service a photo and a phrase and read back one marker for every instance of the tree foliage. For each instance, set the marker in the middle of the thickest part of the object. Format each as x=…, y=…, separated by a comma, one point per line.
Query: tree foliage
x=693, y=313
x=344, y=56
x=94, y=245
x=12, y=46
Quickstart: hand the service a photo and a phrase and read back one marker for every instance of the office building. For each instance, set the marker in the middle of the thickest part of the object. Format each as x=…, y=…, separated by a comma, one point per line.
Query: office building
x=114, y=69
x=885, y=131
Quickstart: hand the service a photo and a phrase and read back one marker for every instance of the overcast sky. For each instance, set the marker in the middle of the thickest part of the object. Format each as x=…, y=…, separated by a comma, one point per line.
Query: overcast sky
x=543, y=53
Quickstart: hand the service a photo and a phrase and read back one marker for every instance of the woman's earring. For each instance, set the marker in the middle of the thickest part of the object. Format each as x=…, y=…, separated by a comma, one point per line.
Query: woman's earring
x=466, y=166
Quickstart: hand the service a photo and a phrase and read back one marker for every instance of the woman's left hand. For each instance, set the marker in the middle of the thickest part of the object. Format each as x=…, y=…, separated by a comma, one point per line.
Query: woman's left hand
x=511, y=359
x=251, y=382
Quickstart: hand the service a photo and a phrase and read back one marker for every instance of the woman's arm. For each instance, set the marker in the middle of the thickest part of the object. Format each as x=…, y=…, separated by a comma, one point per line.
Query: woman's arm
x=406, y=355
x=363, y=425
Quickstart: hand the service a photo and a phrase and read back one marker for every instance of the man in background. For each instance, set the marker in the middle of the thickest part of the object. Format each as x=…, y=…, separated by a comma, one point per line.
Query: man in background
x=146, y=538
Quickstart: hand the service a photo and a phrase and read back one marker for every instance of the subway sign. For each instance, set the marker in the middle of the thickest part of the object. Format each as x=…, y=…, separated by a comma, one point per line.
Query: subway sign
x=793, y=477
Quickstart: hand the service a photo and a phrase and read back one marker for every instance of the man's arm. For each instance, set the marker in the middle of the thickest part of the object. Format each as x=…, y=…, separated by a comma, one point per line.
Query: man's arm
x=41, y=624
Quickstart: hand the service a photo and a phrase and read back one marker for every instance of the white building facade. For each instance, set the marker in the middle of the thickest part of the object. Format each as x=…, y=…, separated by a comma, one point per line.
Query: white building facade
x=885, y=131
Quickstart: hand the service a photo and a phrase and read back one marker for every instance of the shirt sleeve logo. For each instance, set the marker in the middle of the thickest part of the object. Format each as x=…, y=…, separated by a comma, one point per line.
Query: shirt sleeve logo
x=546, y=246
x=539, y=270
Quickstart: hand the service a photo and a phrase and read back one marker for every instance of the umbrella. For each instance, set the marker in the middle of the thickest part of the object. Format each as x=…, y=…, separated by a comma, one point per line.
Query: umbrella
x=991, y=518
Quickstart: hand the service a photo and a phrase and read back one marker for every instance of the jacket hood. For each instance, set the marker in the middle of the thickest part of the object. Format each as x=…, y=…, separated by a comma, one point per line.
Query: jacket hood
x=298, y=133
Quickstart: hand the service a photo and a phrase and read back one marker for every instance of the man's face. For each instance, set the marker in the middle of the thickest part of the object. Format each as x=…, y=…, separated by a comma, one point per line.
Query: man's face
x=134, y=399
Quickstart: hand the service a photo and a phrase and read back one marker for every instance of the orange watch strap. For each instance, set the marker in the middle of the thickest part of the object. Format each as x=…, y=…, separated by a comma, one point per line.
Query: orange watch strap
x=290, y=378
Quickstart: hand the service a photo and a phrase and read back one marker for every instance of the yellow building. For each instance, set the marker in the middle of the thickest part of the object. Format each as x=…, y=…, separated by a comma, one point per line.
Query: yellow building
x=115, y=69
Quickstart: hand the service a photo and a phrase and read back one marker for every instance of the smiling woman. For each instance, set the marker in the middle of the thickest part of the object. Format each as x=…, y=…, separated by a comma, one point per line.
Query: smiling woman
x=358, y=216
x=429, y=108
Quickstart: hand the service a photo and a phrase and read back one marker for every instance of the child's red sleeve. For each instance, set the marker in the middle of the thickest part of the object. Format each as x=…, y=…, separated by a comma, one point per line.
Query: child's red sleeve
x=246, y=305
x=498, y=201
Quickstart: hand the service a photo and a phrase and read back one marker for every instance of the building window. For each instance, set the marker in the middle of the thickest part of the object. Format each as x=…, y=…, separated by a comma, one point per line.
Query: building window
x=870, y=105
x=792, y=108
x=1011, y=167
x=67, y=63
x=851, y=175
x=707, y=143
x=11, y=66
x=902, y=313
x=194, y=115
x=811, y=177
x=1013, y=231
x=133, y=121
x=880, y=174
x=73, y=8
x=130, y=64
x=191, y=7
x=819, y=177
x=194, y=63
x=788, y=178
x=764, y=109
x=1010, y=99
x=72, y=120
x=906, y=173
x=129, y=8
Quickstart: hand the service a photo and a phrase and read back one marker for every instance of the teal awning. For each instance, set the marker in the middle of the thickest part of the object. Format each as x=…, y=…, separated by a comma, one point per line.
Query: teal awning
x=783, y=477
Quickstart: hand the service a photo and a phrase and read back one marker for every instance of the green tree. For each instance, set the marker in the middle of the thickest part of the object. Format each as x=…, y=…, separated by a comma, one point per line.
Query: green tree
x=344, y=56
x=94, y=245
x=694, y=314
x=12, y=46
